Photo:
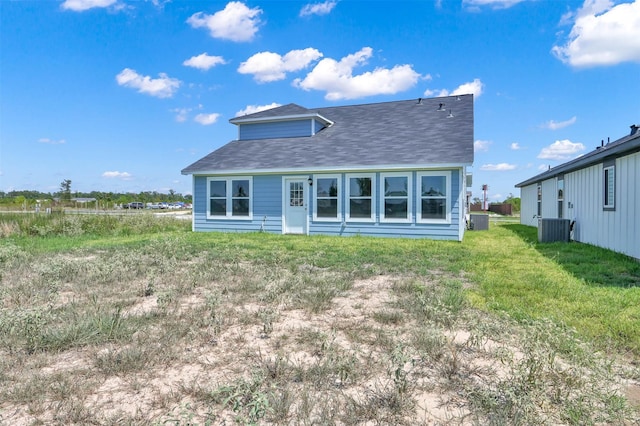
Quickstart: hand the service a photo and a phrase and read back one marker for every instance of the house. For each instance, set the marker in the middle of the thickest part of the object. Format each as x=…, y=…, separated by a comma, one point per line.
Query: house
x=598, y=192
x=393, y=169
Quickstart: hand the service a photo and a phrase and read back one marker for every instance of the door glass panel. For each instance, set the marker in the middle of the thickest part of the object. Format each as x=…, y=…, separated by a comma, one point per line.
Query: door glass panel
x=296, y=194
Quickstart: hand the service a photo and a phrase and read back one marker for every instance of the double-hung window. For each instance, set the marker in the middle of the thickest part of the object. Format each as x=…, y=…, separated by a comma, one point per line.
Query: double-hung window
x=360, y=197
x=230, y=198
x=395, y=200
x=560, y=197
x=609, y=174
x=327, y=198
x=539, y=211
x=434, y=197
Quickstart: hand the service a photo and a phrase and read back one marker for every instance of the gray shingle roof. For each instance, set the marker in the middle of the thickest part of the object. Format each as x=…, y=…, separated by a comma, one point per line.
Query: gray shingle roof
x=399, y=133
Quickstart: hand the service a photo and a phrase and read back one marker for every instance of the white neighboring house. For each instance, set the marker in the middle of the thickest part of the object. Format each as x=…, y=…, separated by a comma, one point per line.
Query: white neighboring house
x=599, y=192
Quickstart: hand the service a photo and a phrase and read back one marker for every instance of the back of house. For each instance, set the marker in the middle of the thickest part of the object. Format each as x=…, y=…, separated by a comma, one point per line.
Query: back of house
x=394, y=169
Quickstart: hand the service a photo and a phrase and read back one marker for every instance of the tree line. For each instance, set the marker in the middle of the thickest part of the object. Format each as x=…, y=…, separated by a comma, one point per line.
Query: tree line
x=66, y=196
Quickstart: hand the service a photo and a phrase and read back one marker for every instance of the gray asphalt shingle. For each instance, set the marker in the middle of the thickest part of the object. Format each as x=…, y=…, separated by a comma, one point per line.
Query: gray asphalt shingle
x=399, y=133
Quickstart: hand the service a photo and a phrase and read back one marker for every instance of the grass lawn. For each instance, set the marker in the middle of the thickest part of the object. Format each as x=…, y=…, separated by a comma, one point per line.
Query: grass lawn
x=137, y=320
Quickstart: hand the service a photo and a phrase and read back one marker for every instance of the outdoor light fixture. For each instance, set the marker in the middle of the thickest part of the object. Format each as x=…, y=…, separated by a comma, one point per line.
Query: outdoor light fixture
x=310, y=180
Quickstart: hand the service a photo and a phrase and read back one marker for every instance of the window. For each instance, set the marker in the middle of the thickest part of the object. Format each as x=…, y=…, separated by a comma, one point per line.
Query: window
x=229, y=198
x=360, y=197
x=434, y=192
x=539, y=200
x=610, y=186
x=560, y=196
x=327, y=198
x=395, y=202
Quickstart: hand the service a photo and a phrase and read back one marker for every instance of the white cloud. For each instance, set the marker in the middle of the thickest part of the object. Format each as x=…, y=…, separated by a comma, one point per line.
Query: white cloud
x=162, y=87
x=318, y=8
x=515, y=146
x=602, y=34
x=236, y=22
x=495, y=4
x=206, y=119
x=182, y=114
x=502, y=167
x=436, y=93
x=51, y=141
x=481, y=146
x=474, y=88
x=555, y=125
x=561, y=150
x=251, y=109
x=269, y=66
x=204, y=61
x=337, y=79
x=82, y=5
x=117, y=175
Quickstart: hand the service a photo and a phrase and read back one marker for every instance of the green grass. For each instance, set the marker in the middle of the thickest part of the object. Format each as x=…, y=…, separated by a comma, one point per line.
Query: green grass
x=586, y=287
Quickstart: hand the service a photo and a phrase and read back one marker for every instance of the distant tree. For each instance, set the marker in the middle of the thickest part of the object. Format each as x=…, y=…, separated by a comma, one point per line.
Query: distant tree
x=514, y=201
x=65, y=190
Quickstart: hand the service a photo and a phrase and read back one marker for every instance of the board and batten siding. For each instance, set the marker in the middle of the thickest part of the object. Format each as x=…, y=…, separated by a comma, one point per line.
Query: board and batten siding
x=279, y=129
x=267, y=212
x=529, y=205
x=550, y=198
x=616, y=230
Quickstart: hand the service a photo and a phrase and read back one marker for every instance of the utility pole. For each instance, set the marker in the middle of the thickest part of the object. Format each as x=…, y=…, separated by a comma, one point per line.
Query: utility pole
x=485, y=188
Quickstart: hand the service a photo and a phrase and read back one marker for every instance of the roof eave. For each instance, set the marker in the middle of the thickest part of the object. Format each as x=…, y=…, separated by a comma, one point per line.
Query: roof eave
x=249, y=120
x=332, y=169
x=593, y=157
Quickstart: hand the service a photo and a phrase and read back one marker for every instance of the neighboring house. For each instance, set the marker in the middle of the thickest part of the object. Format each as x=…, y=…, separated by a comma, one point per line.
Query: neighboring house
x=384, y=169
x=599, y=192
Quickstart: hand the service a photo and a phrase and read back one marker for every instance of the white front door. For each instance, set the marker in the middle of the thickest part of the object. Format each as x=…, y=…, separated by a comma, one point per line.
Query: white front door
x=295, y=206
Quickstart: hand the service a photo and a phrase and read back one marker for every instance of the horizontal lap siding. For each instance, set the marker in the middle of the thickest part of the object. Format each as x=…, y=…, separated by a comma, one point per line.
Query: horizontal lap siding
x=267, y=202
x=267, y=213
x=267, y=208
x=288, y=129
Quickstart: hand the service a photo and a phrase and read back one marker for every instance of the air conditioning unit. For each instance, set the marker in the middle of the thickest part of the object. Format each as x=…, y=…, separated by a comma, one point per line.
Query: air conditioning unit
x=479, y=222
x=553, y=230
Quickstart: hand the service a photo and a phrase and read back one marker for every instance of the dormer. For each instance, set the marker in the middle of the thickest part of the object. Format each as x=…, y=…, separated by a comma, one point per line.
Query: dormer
x=288, y=121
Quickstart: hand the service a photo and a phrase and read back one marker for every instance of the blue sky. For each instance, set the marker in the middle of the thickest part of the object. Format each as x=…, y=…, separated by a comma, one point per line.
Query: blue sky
x=120, y=95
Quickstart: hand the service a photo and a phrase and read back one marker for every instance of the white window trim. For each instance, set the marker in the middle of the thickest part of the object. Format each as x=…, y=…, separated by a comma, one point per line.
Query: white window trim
x=409, y=218
x=229, y=201
x=338, y=218
x=612, y=174
x=448, y=201
x=347, y=184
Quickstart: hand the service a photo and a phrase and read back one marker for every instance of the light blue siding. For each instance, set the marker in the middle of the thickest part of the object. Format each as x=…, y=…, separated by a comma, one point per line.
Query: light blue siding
x=267, y=212
x=280, y=129
x=267, y=208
